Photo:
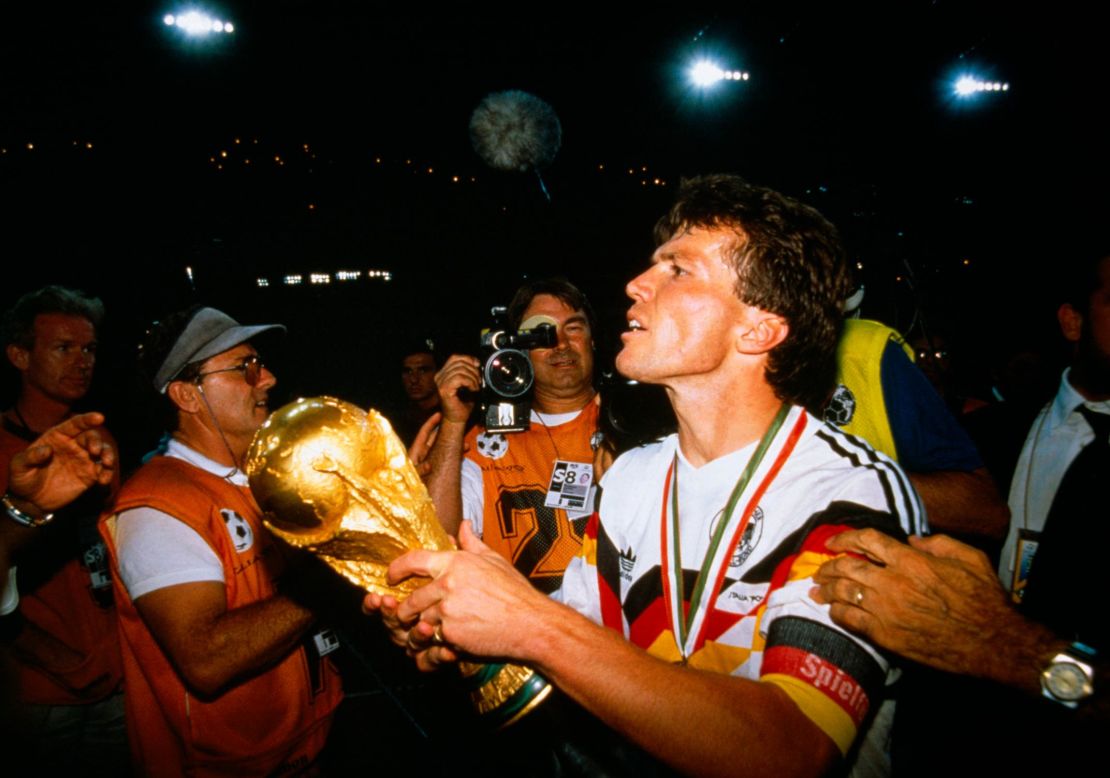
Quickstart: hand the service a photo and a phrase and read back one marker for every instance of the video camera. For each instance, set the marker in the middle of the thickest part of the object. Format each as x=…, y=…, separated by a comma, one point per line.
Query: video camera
x=505, y=399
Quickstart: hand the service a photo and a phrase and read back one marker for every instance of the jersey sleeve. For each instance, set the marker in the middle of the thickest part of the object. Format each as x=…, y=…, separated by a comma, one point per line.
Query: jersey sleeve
x=473, y=495
x=580, y=589
x=834, y=678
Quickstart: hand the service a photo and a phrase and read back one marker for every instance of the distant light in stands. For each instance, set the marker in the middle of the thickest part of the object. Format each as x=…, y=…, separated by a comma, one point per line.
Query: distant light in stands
x=320, y=278
x=293, y=280
x=189, y=273
x=263, y=282
x=348, y=275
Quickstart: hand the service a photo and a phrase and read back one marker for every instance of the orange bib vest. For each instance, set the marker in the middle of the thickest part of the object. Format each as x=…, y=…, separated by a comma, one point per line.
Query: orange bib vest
x=516, y=470
x=276, y=721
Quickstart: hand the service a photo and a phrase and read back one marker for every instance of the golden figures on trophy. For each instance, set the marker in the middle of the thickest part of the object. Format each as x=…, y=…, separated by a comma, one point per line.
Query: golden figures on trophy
x=335, y=480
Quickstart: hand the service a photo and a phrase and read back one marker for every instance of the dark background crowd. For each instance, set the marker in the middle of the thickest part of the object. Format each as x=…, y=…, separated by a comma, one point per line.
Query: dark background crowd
x=156, y=172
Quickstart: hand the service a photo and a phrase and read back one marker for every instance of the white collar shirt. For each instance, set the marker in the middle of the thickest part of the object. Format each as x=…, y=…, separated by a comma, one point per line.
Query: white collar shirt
x=1057, y=436
x=178, y=450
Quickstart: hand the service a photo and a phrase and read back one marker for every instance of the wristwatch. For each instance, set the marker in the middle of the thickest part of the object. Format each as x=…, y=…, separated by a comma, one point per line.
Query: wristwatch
x=19, y=517
x=1069, y=678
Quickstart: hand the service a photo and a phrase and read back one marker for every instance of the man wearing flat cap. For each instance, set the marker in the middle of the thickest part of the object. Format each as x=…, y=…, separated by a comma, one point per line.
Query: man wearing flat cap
x=223, y=674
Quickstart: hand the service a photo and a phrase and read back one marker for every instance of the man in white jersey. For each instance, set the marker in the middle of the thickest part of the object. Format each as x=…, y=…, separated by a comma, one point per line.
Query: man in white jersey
x=701, y=554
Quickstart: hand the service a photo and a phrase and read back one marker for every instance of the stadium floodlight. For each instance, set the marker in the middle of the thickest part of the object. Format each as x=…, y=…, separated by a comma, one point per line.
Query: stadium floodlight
x=197, y=23
x=705, y=73
x=968, y=86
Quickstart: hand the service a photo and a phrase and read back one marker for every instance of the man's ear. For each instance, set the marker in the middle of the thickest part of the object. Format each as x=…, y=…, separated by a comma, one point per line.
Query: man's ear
x=18, y=356
x=762, y=332
x=184, y=395
x=1071, y=322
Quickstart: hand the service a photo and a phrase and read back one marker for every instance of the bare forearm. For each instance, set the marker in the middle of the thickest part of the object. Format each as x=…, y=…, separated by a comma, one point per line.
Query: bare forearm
x=962, y=503
x=212, y=647
x=1018, y=654
x=247, y=640
x=1018, y=657
x=444, y=484
x=698, y=722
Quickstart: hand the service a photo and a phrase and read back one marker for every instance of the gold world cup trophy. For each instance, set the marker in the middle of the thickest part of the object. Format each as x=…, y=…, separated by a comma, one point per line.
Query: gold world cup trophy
x=335, y=480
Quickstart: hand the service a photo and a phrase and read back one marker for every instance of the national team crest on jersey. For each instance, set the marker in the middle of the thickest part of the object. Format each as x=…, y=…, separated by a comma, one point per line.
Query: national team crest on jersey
x=238, y=529
x=493, y=445
x=841, y=407
x=750, y=539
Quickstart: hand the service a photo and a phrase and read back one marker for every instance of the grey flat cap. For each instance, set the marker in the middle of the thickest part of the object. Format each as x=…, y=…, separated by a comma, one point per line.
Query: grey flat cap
x=208, y=333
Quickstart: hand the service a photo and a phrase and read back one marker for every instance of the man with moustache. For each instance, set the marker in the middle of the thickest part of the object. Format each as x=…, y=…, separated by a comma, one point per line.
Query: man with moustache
x=502, y=486
x=690, y=629
x=224, y=674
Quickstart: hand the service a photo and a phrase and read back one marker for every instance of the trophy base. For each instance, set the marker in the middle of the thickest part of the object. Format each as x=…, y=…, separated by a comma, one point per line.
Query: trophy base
x=502, y=694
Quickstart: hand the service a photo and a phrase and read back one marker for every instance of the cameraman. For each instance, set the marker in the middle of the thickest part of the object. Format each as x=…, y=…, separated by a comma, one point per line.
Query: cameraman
x=507, y=485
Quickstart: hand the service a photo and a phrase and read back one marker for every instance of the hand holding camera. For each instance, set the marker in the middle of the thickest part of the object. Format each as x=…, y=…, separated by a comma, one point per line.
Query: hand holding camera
x=458, y=382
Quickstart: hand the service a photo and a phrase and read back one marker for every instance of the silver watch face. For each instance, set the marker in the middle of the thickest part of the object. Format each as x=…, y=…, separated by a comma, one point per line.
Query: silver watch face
x=1067, y=681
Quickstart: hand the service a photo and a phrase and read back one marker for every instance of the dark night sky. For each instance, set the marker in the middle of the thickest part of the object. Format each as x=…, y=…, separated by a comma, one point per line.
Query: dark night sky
x=848, y=107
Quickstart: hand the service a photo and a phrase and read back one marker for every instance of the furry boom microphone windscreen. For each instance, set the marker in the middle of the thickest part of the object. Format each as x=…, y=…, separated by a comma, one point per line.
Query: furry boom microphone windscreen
x=516, y=131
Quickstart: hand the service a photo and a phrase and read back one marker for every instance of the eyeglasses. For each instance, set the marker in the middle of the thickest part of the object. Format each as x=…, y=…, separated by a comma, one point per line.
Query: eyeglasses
x=251, y=368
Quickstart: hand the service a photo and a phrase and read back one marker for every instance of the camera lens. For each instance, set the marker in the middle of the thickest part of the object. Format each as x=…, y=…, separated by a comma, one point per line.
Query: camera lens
x=509, y=373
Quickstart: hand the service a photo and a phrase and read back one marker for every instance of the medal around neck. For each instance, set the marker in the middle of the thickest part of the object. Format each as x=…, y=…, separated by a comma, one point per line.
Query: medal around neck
x=335, y=480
